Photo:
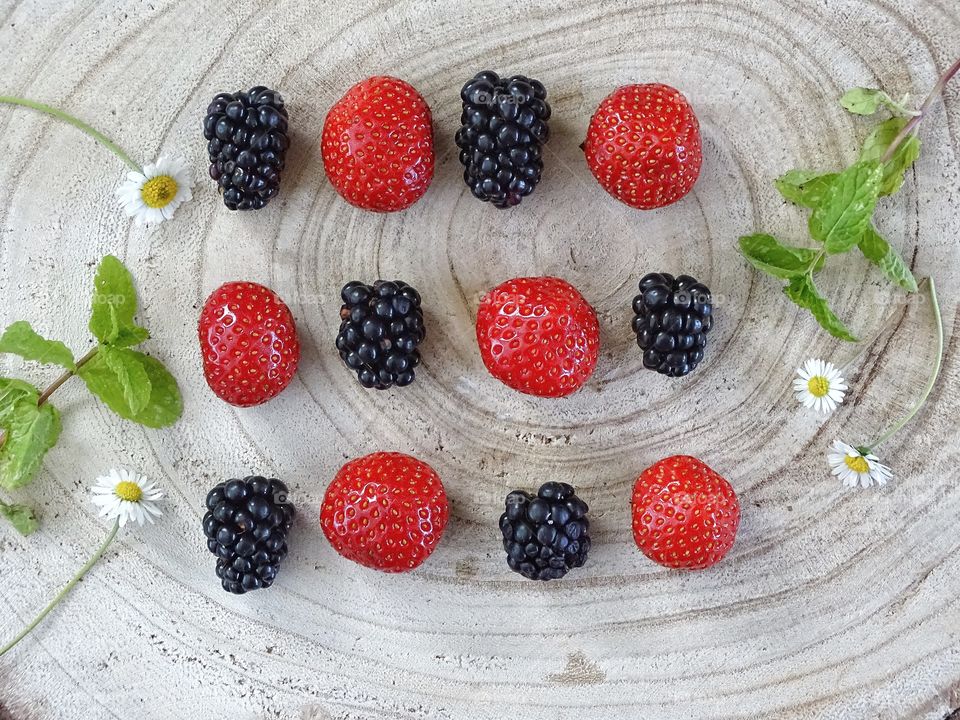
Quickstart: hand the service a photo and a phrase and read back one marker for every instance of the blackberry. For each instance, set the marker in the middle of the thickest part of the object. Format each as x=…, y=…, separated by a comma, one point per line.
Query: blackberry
x=381, y=327
x=547, y=534
x=673, y=317
x=246, y=525
x=247, y=142
x=501, y=136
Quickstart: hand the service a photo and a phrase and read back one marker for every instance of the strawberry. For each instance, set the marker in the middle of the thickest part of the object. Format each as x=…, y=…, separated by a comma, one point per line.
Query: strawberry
x=538, y=335
x=249, y=344
x=385, y=511
x=377, y=145
x=684, y=514
x=643, y=145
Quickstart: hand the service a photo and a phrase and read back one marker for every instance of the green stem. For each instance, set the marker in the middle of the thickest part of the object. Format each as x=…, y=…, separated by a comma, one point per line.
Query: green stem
x=55, y=385
x=79, y=124
x=930, y=382
x=67, y=588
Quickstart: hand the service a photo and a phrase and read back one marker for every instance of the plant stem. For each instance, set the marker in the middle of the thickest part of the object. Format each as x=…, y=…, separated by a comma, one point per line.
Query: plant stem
x=930, y=382
x=67, y=588
x=55, y=385
x=912, y=124
x=79, y=124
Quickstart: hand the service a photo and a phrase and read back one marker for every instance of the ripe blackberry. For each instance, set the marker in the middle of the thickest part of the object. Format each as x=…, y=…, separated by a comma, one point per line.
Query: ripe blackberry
x=246, y=527
x=503, y=129
x=247, y=134
x=382, y=326
x=673, y=317
x=547, y=534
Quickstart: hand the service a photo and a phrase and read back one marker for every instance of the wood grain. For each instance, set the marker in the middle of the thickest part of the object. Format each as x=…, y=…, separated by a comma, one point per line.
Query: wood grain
x=832, y=604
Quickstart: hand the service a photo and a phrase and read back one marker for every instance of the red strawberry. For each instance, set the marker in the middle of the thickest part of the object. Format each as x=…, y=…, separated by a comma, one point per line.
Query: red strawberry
x=684, y=514
x=377, y=145
x=538, y=335
x=249, y=344
x=385, y=511
x=643, y=145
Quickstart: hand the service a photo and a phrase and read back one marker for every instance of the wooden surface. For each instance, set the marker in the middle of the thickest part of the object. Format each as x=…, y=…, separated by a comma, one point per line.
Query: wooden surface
x=832, y=604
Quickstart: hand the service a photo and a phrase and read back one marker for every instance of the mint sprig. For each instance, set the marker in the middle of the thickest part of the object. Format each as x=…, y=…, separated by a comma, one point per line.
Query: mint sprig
x=843, y=203
x=135, y=386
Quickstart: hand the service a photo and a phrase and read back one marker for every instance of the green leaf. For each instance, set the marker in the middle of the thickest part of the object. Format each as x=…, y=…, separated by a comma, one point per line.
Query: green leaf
x=876, y=144
x=12, y=391
x=878, y=251
x=29, y=432
x=804, y=187
x=768, y=255
x=114, y=305
x=846, y=207
x=131, y=374
x=20, y=516
x=803, y=292
x=164, y=404
x=21, y=339
x=867, y=101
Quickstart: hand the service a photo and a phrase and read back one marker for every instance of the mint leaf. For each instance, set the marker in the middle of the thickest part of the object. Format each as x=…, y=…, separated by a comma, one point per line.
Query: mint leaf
x=29, y=432
x=21, y=339
x=163, y=406
x=866, y=101
x=114, y=305
x=131, y=375
x=846, y=207
x=876, y=144
x=804, y=187
x=12, y=391
x=803, y=292
x=768, y=255
x=878, y=251
x=20, y=516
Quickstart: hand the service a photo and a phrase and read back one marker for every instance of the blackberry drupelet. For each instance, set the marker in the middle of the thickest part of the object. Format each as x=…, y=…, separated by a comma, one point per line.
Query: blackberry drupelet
x=547, y=534
x=673, y=317
x=381, y=327
x=247, y=141
x=503, y=129
x=246, y=525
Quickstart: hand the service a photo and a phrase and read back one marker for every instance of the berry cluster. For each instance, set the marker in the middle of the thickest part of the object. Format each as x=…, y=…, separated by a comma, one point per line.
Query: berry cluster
x=545, y=535
x=246, y=525
x=503, y=129
x=673, y=317
x=247, y=142
x=381, y=327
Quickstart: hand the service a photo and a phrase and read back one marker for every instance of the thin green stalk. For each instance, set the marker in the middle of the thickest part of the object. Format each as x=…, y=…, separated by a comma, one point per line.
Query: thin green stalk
x=930, y=382
x=67, y=588
x=77, y=123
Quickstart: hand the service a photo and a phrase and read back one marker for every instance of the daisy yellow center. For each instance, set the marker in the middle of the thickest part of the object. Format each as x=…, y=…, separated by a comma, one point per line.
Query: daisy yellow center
x=157, y=192
x=818, y=386
x=857, y=463
x=128, y=491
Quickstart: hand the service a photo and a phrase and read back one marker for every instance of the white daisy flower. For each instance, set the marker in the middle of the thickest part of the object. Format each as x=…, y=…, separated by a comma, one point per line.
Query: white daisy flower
x=153, y=195
x=819, y=385
x=126, y=495
x=855, y=468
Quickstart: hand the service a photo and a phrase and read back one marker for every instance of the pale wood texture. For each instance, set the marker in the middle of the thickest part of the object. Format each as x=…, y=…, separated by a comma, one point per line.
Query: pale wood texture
x=832, y=604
